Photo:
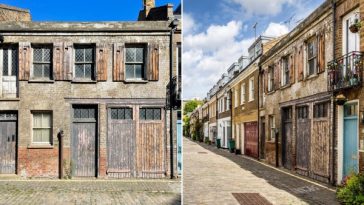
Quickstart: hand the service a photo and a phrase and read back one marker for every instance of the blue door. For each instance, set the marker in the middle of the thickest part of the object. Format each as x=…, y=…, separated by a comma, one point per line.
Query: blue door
x=179, y=146
x=350, y=139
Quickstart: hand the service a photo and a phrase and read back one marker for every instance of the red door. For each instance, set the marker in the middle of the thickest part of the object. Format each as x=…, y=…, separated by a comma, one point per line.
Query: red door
x=251, y=139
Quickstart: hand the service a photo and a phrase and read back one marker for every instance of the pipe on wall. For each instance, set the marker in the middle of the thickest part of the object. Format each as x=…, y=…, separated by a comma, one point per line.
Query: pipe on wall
x=333, y=97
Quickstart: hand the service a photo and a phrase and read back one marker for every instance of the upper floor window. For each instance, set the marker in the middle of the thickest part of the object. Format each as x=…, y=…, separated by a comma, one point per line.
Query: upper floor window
x=10, y=59
x=242, y=94
x=285, y=71
x=251, y=89
x=42, y=58
x=311, y=56
x=270, y=78
x=236, y=98
x=84, y=62
x=134, y=64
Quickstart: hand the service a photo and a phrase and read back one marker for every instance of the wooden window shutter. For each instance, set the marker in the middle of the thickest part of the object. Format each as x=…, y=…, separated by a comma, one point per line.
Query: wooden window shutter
x=24, y=60
x=68, y=61
x=102, y=56
x=153, y=62
x=291, y=69
x=58, y=73
x=300, y=63
x=321, y=53
x=119, y=62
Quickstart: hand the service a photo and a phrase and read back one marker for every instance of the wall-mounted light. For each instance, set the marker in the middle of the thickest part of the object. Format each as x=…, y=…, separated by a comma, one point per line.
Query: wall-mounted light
x=340, y=99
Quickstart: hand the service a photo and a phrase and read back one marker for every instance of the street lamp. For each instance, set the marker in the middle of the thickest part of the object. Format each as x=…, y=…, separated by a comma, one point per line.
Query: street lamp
x=173, y=26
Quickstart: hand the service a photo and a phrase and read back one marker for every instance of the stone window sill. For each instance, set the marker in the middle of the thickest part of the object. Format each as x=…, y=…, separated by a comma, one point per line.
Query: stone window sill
x=313, y=76
x=135, y=81
x=40, y=146
x=286, y=86
x=41, y=81
x=9, y=99
x=84, y=81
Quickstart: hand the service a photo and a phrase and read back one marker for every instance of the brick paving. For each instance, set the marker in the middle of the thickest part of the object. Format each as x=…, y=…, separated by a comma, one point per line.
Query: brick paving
x=211, y=175
x=90, y=192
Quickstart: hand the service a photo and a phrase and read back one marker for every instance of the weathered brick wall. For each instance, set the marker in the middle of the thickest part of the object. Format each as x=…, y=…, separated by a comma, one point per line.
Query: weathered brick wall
x=53, y=96
x=9, y=13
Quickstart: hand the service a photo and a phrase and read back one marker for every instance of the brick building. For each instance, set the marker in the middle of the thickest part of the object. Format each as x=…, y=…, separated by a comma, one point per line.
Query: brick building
x=98, y=86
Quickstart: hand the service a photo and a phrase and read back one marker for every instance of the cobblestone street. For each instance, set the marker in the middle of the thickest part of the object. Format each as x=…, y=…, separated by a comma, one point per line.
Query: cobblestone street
x=90, y=192
x=211, y=175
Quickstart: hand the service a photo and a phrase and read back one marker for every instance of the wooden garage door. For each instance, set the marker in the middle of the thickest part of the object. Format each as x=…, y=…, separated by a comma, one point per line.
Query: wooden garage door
x=151, y=143
x=84, y=141
x=7, y=142
x=287, y=137
x=251, y=139
x=303, y=138
x=121, y=143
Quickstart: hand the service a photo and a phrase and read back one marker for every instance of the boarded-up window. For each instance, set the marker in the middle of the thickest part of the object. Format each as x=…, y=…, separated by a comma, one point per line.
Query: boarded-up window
x=153, y=62
x=321, y=53
x=42, y=127
x=121, y=113
x=42, y=58
x=150, y=114
x=84, y=62
x=134, y=62
x=320, y=110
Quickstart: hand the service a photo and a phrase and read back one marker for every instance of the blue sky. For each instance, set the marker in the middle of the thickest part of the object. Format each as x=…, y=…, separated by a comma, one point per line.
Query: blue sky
x=87, y=10
x=218, y=32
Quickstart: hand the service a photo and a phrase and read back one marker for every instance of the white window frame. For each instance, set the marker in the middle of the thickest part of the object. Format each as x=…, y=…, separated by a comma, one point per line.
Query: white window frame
x=285, y=70
x=272, y=124
x=242, y=94
x=314, y=57
x=251, y=89
x=236, y=98
x=50, y=128
x=270, y=79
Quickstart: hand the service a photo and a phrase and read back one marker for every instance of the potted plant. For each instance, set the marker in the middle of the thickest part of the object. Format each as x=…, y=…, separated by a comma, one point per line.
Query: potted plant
x=355, y=27
x=354, y=80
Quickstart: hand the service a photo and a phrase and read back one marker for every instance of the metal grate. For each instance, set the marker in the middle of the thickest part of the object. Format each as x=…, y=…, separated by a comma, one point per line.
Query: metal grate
x=251, y=199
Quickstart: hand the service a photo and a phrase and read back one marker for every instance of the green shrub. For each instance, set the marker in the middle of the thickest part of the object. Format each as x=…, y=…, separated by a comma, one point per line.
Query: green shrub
x=193, y=137
x=352, y=190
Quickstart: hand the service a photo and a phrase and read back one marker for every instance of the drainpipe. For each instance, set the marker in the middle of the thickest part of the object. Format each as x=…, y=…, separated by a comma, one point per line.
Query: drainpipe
x=258, y=118
x=173, y=27
x=60, y=160
x=333, y=97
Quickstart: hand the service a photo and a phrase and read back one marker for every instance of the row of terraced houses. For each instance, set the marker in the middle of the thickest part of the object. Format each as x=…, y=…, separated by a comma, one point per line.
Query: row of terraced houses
x=297, y=100
x=90, y=99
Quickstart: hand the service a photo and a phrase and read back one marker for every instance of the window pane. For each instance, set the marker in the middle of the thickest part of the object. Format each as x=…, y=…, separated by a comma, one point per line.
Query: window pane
x=79, y=55
x=138, y=71
x=37, y=55
x=129, y=71
x=91, y=113
x=46, y=54
x=142, y=114
x=5, y=62
x=139, y=54
x=84, y=113
x=37, y=135
x=128, y=114
x=88, y=71
x=46, y=135
x=130, y=54
x=14, y=63
x=157, y=114
x=121, y=114
x=37, y=120
x=46, y=121
x=114, y=113
x=37, y=70
x=88, y=54
x=149, y=114
x=46, y=71
x=79, y=71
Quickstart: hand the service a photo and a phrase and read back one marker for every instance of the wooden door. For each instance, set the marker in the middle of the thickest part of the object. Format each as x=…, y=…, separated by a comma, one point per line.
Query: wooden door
x=287, y=137
x=84, y=141
x=251, y=139
x=151, y=143
x=262, y=138
x=303, y=138
x=7, y=143
x=121, y=143
x=320, y=140
x=351, y=155
x=9, y=71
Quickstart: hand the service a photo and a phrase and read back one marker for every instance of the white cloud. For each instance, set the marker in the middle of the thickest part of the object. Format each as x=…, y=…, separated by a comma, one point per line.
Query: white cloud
x=189, y=24
x=262, y=7
x=207, y=55
x=275, y=30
